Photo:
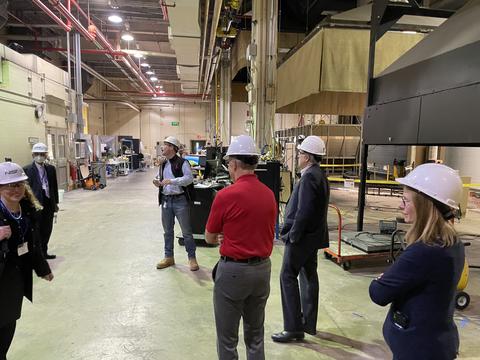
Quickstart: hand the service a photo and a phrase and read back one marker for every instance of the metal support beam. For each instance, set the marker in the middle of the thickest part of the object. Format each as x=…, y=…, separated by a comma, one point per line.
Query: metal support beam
x=384, y=16
x=264, y=69
x=78, y=83
x=226, y=97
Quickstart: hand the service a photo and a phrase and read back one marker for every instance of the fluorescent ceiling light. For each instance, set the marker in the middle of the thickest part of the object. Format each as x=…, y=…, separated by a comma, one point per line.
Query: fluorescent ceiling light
x=115, y=19
x=127, y=37
x=409, y=32
x=149, y=72
x=138, y=55
x=162, y=92
x=144, y=64
x=154, y=78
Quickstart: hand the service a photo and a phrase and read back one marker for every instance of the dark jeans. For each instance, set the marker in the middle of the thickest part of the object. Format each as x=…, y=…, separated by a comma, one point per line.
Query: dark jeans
x=6, y=337
x=299, y=303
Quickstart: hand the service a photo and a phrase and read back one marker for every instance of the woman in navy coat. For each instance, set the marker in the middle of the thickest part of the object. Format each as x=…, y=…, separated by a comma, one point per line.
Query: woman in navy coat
x=20, y=251
x=421, y=284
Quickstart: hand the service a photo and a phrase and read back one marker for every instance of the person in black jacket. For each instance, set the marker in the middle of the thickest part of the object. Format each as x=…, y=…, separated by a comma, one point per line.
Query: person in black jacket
x=175, y=184
x=42, y=178
x=305, y=230
x=20, y=251
x=421, y=284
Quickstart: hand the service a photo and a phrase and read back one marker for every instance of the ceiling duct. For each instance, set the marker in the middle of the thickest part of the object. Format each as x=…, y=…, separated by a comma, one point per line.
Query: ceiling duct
x=430, y=94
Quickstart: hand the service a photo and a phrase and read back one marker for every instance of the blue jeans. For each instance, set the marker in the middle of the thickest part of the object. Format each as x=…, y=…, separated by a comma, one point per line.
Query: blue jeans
x=178, y=207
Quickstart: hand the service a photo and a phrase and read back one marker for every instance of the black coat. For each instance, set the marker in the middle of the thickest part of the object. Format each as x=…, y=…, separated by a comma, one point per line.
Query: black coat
x=306, y=212
x=421, y=286
x=16, y=280
x=36, y=184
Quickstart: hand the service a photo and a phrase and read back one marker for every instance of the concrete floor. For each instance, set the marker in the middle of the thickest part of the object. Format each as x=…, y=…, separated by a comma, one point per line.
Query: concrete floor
x=108, y=302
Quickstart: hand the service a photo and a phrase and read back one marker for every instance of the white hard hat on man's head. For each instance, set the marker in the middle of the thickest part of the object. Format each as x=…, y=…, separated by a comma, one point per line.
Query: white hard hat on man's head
x=172, y=140
x=40, y=148
x=438, y=181
x=313, y=145
x=11, y=173
x=243, y=145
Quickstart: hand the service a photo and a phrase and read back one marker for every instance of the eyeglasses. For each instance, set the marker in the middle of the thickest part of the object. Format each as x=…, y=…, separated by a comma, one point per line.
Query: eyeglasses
x=405, y=201
x=16, y=185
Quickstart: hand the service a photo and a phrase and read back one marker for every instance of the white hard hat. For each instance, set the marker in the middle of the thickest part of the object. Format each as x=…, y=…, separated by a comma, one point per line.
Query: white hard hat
x=313, y=145
x=11, y=173
x=243, y=145
x=437, y=181
x=39, y=148
x=172, y=140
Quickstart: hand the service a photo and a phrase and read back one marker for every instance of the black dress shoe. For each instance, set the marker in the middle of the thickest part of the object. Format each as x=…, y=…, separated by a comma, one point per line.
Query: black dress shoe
x=50, y=256
x=310, y=331
x=287, y=336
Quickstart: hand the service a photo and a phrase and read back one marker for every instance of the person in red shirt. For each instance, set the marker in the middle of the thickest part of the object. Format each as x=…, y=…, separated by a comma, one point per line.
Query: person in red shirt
x=242, y=220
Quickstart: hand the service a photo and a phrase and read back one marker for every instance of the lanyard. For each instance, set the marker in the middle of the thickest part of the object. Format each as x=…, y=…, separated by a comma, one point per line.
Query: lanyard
x=21, y=222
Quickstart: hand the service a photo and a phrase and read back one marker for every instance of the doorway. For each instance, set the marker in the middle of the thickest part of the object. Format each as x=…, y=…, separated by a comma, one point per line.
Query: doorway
x=57, y=153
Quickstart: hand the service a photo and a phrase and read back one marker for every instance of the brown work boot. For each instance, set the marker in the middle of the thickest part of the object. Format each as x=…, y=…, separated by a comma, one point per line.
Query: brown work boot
x=193, y=264
x=168, y=261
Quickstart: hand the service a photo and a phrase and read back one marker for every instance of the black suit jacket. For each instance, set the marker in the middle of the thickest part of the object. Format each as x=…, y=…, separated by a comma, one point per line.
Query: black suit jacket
x=306, y=214
x=16, y=279
x=36, y=184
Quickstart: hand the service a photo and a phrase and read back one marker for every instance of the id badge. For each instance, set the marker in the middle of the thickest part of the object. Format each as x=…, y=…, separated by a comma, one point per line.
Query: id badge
x=165, y=205
x=23, y=249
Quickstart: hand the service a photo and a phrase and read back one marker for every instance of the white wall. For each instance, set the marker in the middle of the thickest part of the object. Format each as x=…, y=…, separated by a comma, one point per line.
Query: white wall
x=239, y=118
x=155, y=123
x=464, y=159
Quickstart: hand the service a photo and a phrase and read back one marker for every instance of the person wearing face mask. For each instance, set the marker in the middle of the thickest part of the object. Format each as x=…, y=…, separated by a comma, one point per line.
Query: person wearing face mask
x=20, y=252
x=42, y=178
x=421, y=284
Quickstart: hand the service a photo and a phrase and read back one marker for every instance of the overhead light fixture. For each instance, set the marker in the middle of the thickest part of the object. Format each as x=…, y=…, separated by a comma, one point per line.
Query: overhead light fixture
x=149, y=72
x=409, y=32
x=144, y=64
x=127, y=36
x=162, y=92
x=138, y=55
x=115, y=19
x=153, y=78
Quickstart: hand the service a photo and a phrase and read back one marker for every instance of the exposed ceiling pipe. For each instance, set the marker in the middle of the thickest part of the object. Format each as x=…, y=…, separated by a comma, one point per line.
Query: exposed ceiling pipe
x=84, y=51
x=29, y=37
x=213, y=35
x=149, y=53
x=113, y=101
x=204, y=42
x=50, y=13
x=102, y=41
x=158, y=94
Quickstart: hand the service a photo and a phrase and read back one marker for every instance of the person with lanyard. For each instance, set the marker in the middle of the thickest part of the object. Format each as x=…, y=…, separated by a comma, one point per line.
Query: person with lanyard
x=42, y=178
x=421, y=284
x=175, y=183
x=305, y=230
x=20, y=251
x=242, y=220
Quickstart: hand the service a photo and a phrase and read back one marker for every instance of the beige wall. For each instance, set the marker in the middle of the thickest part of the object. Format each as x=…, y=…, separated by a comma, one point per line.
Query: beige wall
x=27, y=81
x=155, y=123
x=239, y=118
x=95, y=111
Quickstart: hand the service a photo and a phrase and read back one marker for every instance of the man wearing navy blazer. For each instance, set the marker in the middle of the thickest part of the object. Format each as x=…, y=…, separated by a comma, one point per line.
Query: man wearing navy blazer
x=42, y=178
x=305, y=230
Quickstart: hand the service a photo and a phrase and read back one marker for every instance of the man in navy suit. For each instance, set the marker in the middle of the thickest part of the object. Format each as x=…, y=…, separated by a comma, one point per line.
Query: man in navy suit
x=304, y=231
x=42, y=178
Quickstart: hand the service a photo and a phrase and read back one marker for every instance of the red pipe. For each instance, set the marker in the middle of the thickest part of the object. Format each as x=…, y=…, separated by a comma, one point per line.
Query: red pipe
x=87, y=51
x=158, y=94
x=164, y=10
x=50, y=13
x=69, y=8
x=102, y=40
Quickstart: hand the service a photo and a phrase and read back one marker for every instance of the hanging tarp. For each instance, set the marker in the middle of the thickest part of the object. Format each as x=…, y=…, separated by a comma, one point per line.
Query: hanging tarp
x=328, y=74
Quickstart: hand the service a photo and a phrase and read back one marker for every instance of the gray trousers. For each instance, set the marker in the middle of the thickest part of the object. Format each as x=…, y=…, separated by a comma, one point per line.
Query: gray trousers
x=241, y=291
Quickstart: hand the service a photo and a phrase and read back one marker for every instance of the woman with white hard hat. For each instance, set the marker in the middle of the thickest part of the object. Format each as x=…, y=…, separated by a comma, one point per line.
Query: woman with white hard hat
x=20, y=251
x=421, y=284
